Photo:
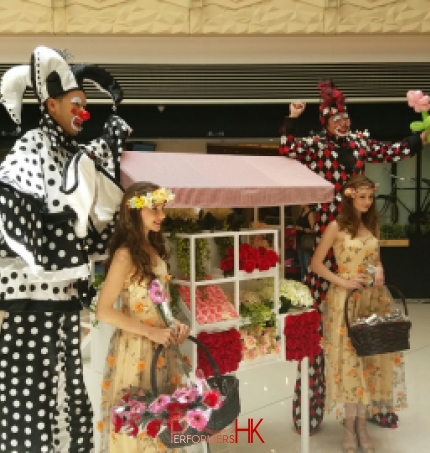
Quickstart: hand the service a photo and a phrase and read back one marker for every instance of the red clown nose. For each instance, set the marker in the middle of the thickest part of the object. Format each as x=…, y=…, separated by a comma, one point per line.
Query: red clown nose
x=84, y=115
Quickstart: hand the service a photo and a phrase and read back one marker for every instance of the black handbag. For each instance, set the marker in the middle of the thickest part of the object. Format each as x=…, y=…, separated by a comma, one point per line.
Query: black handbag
x=227, y=385
x=307, y=242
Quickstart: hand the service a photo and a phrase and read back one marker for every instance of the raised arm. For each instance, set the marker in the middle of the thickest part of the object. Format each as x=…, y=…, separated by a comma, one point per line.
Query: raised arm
x=290, y=146
x=108, y=148
x=106, y=152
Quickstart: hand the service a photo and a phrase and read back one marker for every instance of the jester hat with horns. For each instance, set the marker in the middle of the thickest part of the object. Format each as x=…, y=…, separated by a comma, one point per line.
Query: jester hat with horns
x=49, y=75
x=332, y=101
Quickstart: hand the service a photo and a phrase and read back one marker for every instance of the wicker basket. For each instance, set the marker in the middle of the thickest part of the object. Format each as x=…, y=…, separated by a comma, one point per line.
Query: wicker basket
x=379, y=338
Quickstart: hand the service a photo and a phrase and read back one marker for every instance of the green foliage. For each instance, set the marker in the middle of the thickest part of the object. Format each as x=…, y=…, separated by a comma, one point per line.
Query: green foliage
x=393, y=231
x=174, y=299
x=179, y=225
x=223, y=243
x=99, y=278
x=260, y=314
x=236, y=221
x=285, y=305
x=202, y=255
x=208, y=221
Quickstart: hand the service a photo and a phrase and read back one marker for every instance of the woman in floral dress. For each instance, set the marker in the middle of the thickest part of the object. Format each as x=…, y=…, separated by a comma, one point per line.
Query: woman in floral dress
x=137, y=254
x=356, y=383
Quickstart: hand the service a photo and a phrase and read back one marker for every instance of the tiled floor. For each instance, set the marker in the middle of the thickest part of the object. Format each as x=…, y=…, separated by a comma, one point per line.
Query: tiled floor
x=266, y=393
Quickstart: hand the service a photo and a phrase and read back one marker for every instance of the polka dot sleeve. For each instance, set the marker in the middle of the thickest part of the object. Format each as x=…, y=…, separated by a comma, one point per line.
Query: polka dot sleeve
x=97, y=241
x=21, y=224
x=21, y=169
x=108, y=148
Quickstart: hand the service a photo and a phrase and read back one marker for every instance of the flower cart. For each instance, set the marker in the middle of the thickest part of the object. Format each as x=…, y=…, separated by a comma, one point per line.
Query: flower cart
x=213, y=181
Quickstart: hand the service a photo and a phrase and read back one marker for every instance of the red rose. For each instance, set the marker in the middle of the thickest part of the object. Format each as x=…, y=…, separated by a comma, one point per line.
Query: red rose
x=175, y=407
x=272, y=256
x=264, y=264
x=173, y=423
x=254, y=254
x=153, y=427
x=211, y=398
x=117, y=423
x=247, y=265
x=226, y=349
x=134, y=429
x=227, y=264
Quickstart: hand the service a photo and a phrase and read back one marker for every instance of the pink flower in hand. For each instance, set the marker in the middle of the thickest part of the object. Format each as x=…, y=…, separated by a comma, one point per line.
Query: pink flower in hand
x=156, y=292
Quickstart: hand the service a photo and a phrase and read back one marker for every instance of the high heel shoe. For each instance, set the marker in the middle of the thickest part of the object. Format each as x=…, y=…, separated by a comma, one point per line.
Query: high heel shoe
x=349, y=442
x=364, y=439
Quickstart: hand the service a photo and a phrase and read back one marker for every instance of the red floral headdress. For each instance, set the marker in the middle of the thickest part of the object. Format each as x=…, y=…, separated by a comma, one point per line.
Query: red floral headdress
x=332, y=101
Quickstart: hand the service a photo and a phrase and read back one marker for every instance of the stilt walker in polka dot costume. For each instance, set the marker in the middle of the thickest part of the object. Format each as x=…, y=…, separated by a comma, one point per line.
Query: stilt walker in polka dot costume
x=336, y=154
x=58, y=205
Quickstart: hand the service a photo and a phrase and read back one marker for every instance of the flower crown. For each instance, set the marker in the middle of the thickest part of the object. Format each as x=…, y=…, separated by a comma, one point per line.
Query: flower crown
x=159, y=196
x=350, y=192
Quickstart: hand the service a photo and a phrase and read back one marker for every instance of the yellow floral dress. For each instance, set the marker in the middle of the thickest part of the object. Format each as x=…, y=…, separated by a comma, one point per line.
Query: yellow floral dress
x=129, y=363
x=377, y=381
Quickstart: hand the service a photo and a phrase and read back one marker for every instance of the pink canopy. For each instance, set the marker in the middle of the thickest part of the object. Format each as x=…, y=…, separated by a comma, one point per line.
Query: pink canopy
x=214, y=181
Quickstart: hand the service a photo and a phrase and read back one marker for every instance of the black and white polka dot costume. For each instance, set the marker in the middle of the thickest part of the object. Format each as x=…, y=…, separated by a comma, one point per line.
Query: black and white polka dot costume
x=58, y=205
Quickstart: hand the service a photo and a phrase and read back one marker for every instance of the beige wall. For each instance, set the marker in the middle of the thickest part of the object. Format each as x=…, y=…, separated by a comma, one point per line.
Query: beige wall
x=213, y=17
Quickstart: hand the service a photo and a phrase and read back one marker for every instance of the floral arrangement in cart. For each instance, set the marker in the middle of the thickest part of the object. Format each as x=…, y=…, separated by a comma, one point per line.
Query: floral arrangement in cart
x=257, y=310
x=250, y=259
x=302, y=335
x=139, y=413
x=292, y=294
x=258, y=335
x=258, y=341
x=212, y=304
x=226, y=349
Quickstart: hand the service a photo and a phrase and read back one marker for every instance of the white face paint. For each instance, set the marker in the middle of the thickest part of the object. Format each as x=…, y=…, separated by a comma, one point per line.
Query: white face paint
x=339, y=124
x=340, y=132
x=76, y=122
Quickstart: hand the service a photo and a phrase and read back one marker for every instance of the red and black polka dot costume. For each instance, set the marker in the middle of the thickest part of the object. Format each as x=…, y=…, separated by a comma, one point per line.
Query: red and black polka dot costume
x=335, y=159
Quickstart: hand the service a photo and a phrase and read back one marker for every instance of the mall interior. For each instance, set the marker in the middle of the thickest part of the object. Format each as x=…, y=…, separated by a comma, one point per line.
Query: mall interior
x=217, y=77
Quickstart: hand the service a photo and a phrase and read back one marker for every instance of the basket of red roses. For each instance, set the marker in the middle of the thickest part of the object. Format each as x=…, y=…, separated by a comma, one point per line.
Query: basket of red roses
x=188, y=416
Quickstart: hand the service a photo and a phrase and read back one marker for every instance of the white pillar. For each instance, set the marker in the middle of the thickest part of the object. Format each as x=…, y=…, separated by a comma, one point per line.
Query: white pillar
x=304, y=407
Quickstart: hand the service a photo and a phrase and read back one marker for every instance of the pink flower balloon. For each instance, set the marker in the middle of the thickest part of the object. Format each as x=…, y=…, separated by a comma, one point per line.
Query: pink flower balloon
x=418, y=101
